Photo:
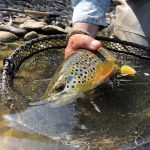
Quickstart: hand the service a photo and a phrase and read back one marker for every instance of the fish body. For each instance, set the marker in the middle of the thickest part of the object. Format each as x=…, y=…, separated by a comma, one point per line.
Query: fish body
x=80, y=72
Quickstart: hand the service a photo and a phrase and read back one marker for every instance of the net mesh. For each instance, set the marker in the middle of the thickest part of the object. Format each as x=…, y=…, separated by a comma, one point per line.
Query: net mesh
x=25, y=51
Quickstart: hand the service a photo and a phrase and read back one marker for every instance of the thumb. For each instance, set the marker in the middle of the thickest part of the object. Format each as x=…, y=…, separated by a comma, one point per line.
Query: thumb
x=94, y=45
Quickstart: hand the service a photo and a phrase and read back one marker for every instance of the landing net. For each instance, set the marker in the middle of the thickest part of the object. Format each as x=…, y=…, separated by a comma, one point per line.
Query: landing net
x=27, y=50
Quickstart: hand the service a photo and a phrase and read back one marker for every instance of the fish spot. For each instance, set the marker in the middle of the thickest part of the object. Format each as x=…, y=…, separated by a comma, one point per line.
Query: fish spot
x=72, y=86
x=95, y=61
x=93, y=68
x=69, y=79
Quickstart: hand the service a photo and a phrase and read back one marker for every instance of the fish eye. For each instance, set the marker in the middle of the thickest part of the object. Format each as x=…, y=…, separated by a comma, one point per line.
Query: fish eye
x=59, y=87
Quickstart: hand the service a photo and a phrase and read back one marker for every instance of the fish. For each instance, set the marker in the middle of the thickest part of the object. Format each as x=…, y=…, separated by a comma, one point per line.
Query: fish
x=82, y=71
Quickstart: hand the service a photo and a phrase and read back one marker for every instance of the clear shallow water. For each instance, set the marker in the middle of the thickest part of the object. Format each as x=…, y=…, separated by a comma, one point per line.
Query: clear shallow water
x=114, y=116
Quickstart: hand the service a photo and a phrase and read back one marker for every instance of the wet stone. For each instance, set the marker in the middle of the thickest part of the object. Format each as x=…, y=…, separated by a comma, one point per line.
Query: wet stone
x=1, y=15
x=59, y=24
x=20, y=20
x=5, y=13
x=12, y=29
x=32, y=25
x=7, y=36
x=2, y=5
x=31, y=35
x=6, y=1
x=53, y=29
x=66, y=22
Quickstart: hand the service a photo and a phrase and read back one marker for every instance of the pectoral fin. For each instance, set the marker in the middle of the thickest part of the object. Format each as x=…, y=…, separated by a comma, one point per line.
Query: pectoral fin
x=104, y=70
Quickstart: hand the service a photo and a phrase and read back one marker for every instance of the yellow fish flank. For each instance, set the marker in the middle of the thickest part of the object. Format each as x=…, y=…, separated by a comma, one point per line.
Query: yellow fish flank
x=80, y=72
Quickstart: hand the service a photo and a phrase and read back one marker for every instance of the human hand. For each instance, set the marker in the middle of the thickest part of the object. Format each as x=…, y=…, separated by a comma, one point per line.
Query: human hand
x=77, y=41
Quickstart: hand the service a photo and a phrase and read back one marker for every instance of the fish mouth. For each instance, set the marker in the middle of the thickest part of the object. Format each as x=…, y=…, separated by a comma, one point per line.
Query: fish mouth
x=58, y=99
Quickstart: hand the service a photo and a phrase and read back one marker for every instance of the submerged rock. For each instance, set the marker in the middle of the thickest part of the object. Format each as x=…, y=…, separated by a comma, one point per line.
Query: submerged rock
x=20, y=19
x=12, y=29
x=7, y=36
x=53, y=29
x=31, y=35
x=68, y=29
x=59, y=24
x=32, y=25
x=13, y=45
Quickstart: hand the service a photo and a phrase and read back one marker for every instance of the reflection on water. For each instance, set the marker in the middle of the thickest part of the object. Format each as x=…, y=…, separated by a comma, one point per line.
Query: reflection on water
x=114, y=116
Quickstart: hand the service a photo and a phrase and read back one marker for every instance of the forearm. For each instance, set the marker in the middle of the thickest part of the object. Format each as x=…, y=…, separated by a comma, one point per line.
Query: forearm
x=88, y=15
x=92, y=12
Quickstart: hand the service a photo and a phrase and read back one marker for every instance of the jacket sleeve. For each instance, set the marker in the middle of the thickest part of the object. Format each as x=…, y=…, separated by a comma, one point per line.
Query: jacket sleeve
x=90, y=11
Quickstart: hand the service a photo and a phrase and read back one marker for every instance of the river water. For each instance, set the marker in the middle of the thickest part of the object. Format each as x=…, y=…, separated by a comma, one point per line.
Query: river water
x=116, y=115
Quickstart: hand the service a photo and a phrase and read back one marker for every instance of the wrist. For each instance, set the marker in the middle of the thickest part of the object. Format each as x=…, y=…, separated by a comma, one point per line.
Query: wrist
x=91, y=29
x=75, y=32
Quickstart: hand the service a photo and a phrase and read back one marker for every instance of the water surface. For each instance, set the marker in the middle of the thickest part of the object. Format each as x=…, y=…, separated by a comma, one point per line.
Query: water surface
x=116, y=115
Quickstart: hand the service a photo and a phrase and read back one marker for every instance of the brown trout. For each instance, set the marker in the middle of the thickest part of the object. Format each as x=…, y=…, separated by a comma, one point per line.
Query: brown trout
x=79, y=73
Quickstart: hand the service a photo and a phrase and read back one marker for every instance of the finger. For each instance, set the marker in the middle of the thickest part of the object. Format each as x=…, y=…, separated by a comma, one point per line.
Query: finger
x=83, y=41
